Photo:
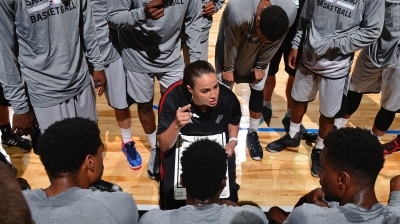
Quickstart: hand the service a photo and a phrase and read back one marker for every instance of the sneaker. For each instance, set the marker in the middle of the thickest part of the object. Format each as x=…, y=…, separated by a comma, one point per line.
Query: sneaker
x=153, y=167
x=315, y=161
x=103, y=185
x=4, y=160
x=17, y=141
x=286, y=125
x=393, y=146
x=311, y=137
x=132, y=155
x=253, y=144
x=284, y=142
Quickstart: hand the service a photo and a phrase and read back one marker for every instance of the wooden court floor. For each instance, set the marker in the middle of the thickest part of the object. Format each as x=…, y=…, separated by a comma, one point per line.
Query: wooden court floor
x=279, y=179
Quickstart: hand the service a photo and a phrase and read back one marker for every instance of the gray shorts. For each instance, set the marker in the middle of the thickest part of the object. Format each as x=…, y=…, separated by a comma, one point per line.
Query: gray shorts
x=368, y=78
x=256, y=86
x=81, y=105
x=116, y=85
x=141, y=85
x=306, y=86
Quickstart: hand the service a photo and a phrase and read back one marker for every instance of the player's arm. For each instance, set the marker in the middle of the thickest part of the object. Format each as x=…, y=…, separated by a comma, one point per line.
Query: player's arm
x=127, y=14
x=370, y=29
x=218, y=5
x=91, y=47
x=305, y=18
x=192, y=25
x=167, y=138
x=10, y=77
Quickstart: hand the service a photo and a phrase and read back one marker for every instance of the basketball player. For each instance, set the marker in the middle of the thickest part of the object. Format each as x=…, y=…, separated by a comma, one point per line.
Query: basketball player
x=150, y=42
x=333, y=31
x=116, y=85
x=249, y=35
x=377, y=69
x=209, y=8
x=270, y=82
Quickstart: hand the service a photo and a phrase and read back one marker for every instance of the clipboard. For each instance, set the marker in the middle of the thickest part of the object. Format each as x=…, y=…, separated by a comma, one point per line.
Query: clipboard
x=181, y=144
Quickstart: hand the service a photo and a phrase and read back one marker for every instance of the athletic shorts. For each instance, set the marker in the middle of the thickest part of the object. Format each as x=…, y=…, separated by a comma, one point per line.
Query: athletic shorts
x=256, y=86
x=283, y=51
x=141, y=85
x=331, y=91
x=116, y=85
x=81, y=105
x=368, y=78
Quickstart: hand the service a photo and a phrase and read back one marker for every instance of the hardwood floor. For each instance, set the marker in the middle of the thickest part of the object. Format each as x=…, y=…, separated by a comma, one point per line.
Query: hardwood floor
x=279, y=179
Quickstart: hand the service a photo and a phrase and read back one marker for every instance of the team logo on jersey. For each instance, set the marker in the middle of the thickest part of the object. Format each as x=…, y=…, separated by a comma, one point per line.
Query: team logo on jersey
x=219, y=118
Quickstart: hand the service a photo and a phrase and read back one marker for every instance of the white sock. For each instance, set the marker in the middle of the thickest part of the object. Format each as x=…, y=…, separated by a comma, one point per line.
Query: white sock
x=126, y=135
x=320, y=143
x=294, y=129
x=152, y=139
x=378, y=137
x=340, y=122
x=253, y=126
x=288, y=112
x=267, y=104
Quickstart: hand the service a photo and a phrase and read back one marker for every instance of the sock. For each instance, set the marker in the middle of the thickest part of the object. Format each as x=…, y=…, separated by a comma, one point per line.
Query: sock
x=126, y=135
x=340, y=122
x=288, y=112
x=267, y=104
x=320, y=143
x=5, y=130
x=152, y=139
x=378, y=137
x=294, y=129
x=253, y=127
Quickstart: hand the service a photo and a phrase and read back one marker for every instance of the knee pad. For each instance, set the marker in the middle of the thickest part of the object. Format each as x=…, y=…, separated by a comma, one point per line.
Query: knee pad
x=343, y=108
x=256, y=100
x=384, y=119
x=353, y=101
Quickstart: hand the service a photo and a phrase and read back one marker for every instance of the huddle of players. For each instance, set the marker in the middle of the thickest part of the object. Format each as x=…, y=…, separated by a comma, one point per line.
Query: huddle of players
x=129, y=43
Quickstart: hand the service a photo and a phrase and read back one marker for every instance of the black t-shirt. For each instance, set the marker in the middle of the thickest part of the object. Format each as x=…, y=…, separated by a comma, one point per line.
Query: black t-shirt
x=216, y=120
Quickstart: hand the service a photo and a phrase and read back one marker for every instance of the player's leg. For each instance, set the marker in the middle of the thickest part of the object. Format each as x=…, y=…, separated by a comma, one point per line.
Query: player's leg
x=255, y=108
x=305, y=88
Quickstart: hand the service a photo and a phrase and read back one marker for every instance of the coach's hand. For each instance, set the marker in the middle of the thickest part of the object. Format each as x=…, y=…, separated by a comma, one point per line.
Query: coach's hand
x=258, y=75
x=22, y=123
x=292, y=58
x=228, y=76
x=99, y=78
x=154, y=9
x=230, y=147
x=183, y=116
x=208, y=9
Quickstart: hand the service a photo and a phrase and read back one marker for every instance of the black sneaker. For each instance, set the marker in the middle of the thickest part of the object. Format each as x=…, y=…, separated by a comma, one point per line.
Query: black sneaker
x=286, y=125
x=315, y=161
x=17, y=141
x=253, y=144
x=5, y=161
x=311, y=137
x=153, y=167
x=282, y=143
x=106, y=186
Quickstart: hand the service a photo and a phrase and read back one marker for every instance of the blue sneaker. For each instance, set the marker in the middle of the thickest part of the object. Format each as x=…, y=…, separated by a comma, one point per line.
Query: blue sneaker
x=132, y=155
x=286, y=125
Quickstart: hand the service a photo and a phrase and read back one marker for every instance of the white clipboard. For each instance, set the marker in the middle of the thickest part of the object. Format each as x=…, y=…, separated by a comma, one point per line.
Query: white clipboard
x=181, y=144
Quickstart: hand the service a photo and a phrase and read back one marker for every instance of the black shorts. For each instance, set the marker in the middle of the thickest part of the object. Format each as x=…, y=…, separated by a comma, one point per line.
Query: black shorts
x=284, y=50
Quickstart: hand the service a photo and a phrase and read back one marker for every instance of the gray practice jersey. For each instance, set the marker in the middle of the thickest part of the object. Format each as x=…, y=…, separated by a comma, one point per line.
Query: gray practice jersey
x=53, y=38
x=10, y=78
x=153, y=46
x=334, y=30
x=348, y=213
x=238, y=47
x=207, y=21
x=107, y=38
x=386, y=48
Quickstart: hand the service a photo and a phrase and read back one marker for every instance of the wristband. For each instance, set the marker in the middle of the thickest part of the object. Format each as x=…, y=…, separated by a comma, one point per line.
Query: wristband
x=233, y=139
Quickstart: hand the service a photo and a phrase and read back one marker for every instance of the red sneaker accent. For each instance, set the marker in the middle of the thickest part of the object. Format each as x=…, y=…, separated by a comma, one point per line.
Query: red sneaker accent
x=393, y=146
